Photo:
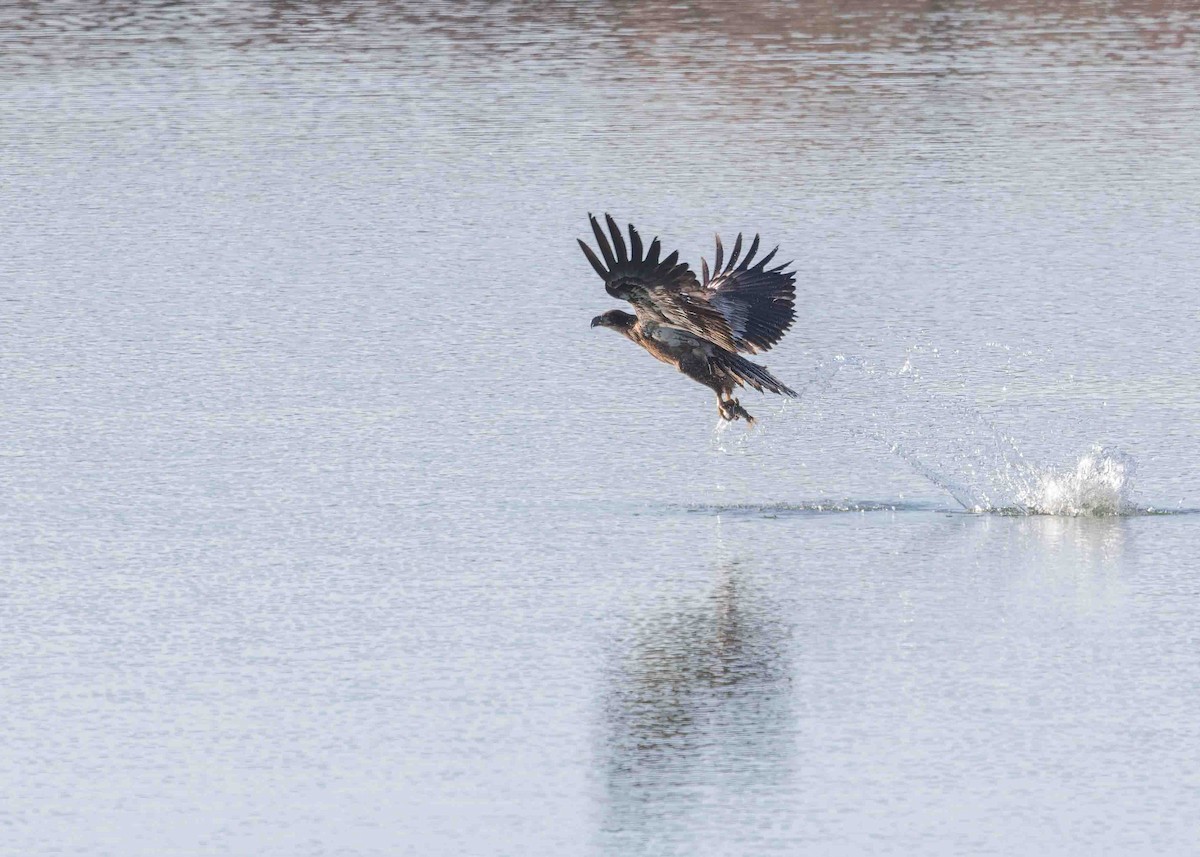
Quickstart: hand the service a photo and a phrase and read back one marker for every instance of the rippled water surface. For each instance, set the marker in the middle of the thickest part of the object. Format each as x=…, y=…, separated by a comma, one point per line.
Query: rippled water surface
x=328, y=526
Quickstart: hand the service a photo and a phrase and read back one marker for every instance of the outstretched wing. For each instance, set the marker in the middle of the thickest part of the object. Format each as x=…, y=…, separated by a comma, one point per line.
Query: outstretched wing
x=759, y=303
x=664, y=291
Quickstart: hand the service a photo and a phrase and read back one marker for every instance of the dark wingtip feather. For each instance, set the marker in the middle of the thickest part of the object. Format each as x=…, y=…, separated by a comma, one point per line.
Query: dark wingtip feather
x=704, y=270
x=591, y=257
x=635, y=245
x=617, y=238
x=751, y=252
x=737, y=249
x=719, y=257
x=602, y=242
x=652, y=253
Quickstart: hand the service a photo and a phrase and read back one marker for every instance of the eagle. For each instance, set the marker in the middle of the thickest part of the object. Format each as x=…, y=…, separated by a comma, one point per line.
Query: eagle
x=698, y=325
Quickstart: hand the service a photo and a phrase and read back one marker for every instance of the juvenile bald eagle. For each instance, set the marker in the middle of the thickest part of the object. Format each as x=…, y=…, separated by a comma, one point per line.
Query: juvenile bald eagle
x=698, y=326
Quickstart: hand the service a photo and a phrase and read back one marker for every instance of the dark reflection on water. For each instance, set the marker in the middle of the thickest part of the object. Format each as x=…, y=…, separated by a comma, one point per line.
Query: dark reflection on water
x=697, y=713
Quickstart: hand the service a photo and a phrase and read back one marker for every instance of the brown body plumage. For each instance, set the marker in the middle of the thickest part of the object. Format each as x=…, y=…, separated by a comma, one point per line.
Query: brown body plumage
x=698, y=327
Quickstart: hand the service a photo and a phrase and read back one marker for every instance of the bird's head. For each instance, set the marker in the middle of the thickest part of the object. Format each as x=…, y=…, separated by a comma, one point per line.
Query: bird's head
x=615, y=319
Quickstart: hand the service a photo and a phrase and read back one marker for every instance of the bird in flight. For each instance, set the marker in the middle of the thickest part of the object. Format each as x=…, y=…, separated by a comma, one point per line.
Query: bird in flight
x=698, y=325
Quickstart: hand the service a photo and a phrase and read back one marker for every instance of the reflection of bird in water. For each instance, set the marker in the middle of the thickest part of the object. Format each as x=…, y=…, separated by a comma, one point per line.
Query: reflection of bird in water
x=704, y=693
x=698, y=326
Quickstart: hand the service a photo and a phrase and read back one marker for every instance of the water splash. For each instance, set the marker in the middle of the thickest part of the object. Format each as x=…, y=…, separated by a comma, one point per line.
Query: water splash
x=735, y=437
x=1100, y=484
x=951, y=443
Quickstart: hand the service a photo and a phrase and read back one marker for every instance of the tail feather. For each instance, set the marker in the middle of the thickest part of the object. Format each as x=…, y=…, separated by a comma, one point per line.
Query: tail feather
x=746, y=373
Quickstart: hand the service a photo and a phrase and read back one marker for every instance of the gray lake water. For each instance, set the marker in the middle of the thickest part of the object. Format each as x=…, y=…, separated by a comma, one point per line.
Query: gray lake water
x=328, y=526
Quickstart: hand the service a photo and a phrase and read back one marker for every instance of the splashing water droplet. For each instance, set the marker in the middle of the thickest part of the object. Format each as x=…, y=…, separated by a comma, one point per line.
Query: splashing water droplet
x=1099, y=484
x=954, y=446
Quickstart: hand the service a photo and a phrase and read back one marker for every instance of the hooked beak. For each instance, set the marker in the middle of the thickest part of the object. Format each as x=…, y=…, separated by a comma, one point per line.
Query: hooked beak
x=598, y=321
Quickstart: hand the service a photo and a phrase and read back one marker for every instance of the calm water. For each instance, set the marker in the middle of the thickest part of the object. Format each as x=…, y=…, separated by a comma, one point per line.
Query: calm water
x=329, y=527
